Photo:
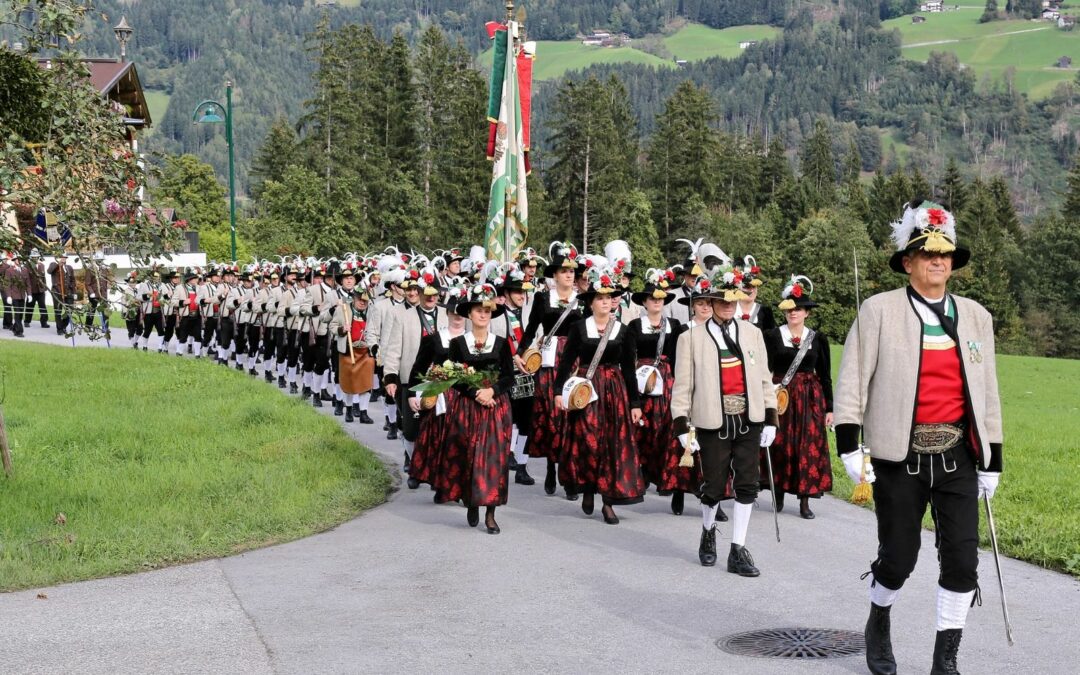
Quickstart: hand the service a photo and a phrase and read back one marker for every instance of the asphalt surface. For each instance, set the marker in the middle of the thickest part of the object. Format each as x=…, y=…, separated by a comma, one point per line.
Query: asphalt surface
x=409, y=587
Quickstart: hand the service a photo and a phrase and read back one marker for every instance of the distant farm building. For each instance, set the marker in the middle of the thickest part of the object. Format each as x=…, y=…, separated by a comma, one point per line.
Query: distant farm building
x=931, y=6
x=605, y=39
x=918, y=19
x=747, y=43
x=1064, y=62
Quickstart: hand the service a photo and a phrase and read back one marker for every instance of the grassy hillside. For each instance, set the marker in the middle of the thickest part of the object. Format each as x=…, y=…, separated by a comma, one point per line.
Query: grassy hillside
x=693, y=42
x=1030, y=47
x=158, y=101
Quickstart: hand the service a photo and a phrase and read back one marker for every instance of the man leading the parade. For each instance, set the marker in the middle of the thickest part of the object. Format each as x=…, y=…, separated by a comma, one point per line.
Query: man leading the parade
x=918, y=379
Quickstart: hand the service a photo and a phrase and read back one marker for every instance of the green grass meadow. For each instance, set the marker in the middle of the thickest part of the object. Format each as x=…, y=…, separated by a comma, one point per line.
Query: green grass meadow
x=1037, y=504
x=1031, y=48
x=158, y=101
x=693, y=42
x=156, y=460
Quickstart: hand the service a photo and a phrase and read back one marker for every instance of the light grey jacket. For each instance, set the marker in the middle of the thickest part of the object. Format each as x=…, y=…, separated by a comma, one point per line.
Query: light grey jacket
x=400, y=347
x=881, y=397
x=698, y=392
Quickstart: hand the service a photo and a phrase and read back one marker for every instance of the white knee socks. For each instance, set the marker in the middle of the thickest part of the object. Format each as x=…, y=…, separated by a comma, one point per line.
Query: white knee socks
x=952, y=608
x=882, y=596
x=741, y=523
x=708, y=515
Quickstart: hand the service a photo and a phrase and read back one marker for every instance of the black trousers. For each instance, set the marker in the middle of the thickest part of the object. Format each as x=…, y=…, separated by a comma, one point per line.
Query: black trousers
x=253, y=341
x=408, y=421
x=187, y=326
x=209, y=330
x=317, y=358
x=240, y=337
x=295, y=339
x=9, y=313
x=948, y=483
x=281, y=345
x=36, y=299
x=133, y=328
x=92, y=312
x=226, y=331
x=152, y=322
x=15, y=312
x=521, y=411
x=170, y=330
x=62, y=310
x=736, y=456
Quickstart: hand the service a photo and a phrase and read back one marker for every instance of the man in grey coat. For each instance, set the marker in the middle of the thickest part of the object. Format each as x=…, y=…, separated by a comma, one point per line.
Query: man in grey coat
x=918, y=379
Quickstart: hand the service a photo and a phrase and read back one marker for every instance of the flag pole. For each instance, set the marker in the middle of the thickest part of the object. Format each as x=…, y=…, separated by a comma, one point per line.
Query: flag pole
x=510, y=54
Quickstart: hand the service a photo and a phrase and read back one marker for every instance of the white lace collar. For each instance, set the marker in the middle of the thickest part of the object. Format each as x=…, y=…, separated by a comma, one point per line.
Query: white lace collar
x=593, y=332
x=647, y=327
x=553, y=298
x=470, y=343
x=445, y=336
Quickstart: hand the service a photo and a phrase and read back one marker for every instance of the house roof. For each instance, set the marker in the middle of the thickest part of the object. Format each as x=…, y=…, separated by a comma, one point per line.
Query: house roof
x=119, y=82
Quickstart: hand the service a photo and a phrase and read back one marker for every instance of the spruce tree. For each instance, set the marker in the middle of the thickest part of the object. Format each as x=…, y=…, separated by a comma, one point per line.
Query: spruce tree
x=817, y=167
x=277, y=153
x=1071, y=208
x=953, y=190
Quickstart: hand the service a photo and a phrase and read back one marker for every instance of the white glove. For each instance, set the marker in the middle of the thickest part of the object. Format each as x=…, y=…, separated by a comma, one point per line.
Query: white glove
x=685, y=438
x=853, y=463
x=988, y=482
x=9, y=300
x=768, y=435
x=92, y=295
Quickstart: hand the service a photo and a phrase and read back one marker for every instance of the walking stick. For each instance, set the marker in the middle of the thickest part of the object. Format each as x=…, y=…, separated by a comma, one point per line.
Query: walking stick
x=997, y=564
x=772, y=488
x=862, y=492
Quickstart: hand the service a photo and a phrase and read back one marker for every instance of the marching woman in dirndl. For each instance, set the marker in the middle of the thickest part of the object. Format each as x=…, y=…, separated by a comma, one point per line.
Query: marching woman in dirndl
x=655, y=337
x=554, y=310
x=475, y=462
x=800, y=455
x=434, y=424
x=596, y=381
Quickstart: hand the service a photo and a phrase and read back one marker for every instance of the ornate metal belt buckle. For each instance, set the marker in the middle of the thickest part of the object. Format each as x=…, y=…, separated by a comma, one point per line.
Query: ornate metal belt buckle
x=734, y=404
x=934, y=439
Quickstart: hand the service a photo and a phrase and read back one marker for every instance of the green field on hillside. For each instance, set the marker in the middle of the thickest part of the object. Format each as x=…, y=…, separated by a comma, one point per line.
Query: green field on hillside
x=1032, y=48
x=693, y=42
x=158, y=101
x=1037, y=505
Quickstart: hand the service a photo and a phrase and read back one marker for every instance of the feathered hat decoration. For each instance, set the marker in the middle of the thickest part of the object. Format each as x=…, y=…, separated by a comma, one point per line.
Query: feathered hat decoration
x=797, y=293
x=751, y=272
x=727, y=282
x=929, y=227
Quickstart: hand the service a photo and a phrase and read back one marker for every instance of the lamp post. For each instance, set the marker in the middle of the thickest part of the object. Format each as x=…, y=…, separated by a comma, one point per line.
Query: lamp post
x=210, y=115
x=123, y=33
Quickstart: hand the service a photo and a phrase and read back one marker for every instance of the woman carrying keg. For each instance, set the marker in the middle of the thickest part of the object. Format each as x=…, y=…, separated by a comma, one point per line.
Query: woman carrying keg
x=655, y=337
x=596, y=382
x=474, y=464
x=799, y=361
x=556, y=311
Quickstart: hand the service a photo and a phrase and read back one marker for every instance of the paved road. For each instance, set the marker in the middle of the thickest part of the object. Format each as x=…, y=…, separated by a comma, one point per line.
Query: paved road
x=408, y=587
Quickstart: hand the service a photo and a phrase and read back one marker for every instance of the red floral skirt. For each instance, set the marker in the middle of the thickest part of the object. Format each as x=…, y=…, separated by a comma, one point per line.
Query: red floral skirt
x=600, y=453
x=800, y=455
x=548, y=421
x=658, y=446
x=473, y=467
x=427, y=454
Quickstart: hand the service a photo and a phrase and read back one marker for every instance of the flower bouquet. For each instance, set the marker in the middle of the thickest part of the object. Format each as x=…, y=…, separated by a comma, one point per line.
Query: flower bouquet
x=441, y=377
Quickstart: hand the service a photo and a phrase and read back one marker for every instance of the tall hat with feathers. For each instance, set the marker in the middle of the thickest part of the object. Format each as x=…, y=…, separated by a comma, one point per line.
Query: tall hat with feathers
x=428, y=280
x=602, y=281
x=929, y=227
x=727, y=283
x=751, y=273
x=562, y=255
x=529, y=256
x=514, y=279
x=797, y=293
x=590, y=261
x=479, y=295
x=704, y=258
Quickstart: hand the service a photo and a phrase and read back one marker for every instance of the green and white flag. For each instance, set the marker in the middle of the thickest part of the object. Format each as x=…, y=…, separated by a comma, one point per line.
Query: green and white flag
x=508, y=204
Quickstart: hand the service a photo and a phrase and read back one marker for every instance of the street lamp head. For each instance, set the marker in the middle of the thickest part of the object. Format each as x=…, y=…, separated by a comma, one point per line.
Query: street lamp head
x=210, y=113
x=123, y=33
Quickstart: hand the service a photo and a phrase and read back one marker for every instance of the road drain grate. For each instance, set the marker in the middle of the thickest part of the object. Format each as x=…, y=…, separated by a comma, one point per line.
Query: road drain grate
x=794, y=643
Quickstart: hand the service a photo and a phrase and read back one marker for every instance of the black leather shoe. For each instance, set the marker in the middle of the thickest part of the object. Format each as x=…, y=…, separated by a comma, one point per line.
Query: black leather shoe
x=348, y=414
x=512, y=464
x=326, y=396
x=339, y=408
x=269, y=377
x=281, y=382
x=316, y=402
x=364, y=418
x=239, y=366
x=44, y=325
x=804, y=509
x=946, y=645
x=490, y=524
x=412, y=483
x=306, y=391
x=706, y=551
x=740, y=562
x=879, y=654
x=609, y=515
x=549, y=480
x=473, y=516
x=386, y=424
x=588, y=503
x=356, y=409
x=392, y=434
x=522, y=477
x=571, y=496
x=293, y=388
x=778, y=498
x=721, y=517
x=677, y=503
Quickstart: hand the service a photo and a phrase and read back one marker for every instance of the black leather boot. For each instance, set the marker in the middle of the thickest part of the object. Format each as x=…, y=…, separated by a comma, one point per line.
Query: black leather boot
x=305, y=392
x=878, y=635
x=268, y=376
x=522, y=477
x=364, y=418
x=677, y=507
x=413, y=483
x=549, y=480
x=293, y=388
x=473, y=516
x=281, y=382
x=392, y=434
x=339, y=408
x=740, y=562
x=945, y=648
x=386, y=424
x=316, y=401
x=706, y=550
x=405, y=464
x=348, y=414
x=326, y=396
x=356, y=409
